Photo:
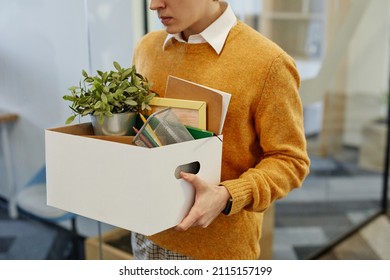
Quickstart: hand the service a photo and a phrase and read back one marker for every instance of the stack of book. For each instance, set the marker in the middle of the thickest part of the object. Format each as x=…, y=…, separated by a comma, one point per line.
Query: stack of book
x=183, y=115
x=160, y=129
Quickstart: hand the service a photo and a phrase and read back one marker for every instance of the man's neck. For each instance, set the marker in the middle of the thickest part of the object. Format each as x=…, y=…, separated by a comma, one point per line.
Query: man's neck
x=214, y=13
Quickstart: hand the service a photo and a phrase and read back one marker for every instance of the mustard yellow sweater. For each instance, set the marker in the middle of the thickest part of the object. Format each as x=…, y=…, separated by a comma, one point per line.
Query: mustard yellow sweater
x=264, y=149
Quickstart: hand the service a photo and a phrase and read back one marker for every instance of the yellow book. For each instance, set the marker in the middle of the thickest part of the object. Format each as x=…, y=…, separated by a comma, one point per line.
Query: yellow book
x=150, y=131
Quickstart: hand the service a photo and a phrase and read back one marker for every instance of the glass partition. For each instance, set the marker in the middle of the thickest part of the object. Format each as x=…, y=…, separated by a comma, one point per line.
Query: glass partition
x=345, y=123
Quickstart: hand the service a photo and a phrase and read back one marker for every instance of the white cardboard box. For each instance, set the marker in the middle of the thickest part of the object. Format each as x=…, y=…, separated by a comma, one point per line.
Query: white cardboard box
x=127, y=186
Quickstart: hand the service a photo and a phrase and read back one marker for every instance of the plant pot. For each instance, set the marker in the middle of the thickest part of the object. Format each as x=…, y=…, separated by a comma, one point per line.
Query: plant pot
x=120, y=124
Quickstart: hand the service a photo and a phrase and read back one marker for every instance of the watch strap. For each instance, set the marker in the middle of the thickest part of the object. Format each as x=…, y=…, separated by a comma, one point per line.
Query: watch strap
x=228, y=206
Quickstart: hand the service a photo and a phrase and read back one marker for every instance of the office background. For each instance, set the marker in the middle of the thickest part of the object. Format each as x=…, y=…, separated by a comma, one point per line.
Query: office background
x=342, y=53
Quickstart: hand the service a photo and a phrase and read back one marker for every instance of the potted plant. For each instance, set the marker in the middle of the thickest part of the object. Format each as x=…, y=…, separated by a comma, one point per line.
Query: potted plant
x=112, y=99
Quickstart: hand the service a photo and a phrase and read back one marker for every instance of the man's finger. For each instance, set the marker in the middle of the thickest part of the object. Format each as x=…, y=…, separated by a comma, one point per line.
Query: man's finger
x=189, y=177
x=194, y=180
x=187, y=222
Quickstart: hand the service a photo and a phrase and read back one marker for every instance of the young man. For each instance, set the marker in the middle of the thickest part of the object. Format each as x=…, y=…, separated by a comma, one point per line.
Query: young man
x=264, y=150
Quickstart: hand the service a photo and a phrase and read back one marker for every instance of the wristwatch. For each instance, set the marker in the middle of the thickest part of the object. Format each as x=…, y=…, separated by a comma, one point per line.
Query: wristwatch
x=228, y=206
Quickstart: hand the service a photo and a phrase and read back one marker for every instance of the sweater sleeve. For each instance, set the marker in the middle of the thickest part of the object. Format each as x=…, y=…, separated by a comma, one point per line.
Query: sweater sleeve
x=278, y=120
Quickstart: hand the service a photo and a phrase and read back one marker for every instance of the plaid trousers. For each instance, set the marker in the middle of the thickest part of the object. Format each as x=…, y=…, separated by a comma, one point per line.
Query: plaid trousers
x=145, y=249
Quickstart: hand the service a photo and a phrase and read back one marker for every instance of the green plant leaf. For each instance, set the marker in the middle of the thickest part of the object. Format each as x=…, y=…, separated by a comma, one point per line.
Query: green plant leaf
x=104, y=98
x=106, y=90
x=97, y=105
x=101, y=119
x=117, y=66
x=105, y=77
x=126, y=73
x=70, y=119
x=131, y=89
x=149, y=97
x=116, y=75
x=73, y=88
x=98, y=85
x=87, y=112
x=69, y=98
x=131, y=102
x=119, y=92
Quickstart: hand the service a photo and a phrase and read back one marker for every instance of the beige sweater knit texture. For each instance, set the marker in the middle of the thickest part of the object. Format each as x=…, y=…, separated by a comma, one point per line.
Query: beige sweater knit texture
x=264, y=148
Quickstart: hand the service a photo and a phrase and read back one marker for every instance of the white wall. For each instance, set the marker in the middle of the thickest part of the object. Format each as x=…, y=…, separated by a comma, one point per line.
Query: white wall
x=367, y=75
x=368, y=54
x=43, y=48
x=114, y=26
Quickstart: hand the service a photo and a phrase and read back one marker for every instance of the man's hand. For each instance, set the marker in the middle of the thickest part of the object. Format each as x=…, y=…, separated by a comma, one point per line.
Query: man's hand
x=210, y=200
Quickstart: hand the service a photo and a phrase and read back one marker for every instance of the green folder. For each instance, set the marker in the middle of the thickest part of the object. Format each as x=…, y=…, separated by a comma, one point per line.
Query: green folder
x=198, y=133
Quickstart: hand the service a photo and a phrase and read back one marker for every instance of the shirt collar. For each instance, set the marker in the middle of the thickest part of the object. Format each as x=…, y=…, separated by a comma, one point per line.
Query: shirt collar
x=215, y=34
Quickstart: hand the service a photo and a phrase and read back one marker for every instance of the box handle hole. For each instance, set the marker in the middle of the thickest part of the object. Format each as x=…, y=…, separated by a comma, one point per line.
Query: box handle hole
x=192, y=167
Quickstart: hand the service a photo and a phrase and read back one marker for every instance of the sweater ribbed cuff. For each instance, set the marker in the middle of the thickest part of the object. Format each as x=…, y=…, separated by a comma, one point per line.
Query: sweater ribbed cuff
x=241, y=193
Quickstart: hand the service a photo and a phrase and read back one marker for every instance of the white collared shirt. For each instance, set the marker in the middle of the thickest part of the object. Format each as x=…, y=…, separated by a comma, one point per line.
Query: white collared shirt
x=215, y=34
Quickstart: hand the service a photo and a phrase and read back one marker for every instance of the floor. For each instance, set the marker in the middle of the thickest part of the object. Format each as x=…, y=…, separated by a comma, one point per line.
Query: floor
x=300, y=236
x=29, y=239
x=335, y=198
x=369, y=243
